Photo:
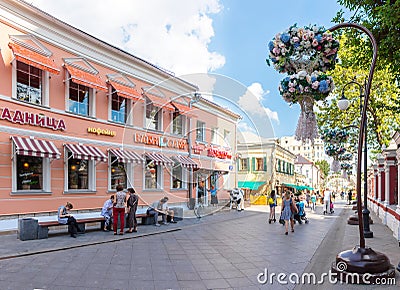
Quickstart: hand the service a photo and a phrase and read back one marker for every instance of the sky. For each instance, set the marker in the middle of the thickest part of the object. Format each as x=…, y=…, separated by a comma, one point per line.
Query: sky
x=219, y=45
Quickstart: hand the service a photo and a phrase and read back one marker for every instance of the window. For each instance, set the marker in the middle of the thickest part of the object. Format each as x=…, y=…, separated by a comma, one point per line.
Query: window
x=260, y=164
x=78, y=173
x=226, y=137
x=118, y=173
x=29, y=83
x=178, y=176
x=243, y=164
x=79, y=96
x=214, y=135
x=119, y=108
x=153, y=117
x=177, y=123
x=152, y=175
x=29, y=173
x=201, y=131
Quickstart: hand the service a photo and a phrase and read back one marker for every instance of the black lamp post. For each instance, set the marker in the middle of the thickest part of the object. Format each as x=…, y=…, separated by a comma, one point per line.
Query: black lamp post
x=343, y=104
x=362, y=260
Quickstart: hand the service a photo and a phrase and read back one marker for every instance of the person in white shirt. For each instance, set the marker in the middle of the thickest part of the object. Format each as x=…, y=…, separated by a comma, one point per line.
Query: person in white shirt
x=327, y=201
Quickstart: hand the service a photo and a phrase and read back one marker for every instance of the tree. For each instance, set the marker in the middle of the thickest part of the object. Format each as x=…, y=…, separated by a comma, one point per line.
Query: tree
x=323, y=165
x=382, y=18
x=383, y=107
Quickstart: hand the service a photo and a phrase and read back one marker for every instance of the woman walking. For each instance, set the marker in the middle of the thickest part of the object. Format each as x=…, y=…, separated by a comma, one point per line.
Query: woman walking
x=119, y=210
x=272, y=205
x=288, y=211
x=132, y=207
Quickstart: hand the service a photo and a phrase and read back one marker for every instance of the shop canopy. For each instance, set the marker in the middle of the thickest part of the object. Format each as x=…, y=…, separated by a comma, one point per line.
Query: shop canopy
x=86, y=78
x=35, y=147
x=125, y=91
x=126, y=156
x=253, y=185
x=80, y=151
x=186, y=161
x=298, y=187
x=160, y=159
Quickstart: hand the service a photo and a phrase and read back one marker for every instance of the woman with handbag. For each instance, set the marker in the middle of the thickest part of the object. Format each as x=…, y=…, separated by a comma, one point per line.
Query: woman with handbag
x=132, y=207
x=288, y=210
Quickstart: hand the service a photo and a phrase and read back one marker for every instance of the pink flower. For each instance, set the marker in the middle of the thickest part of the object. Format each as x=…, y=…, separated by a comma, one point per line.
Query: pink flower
x=276, y=50
x=305, y=36
x=314, y=42
x=296, y=39
x=292, y=90
x=315, y=85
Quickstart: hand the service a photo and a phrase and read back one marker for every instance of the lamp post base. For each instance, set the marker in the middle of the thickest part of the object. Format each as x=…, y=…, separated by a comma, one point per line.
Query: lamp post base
x=353, y=220
x=362, y=266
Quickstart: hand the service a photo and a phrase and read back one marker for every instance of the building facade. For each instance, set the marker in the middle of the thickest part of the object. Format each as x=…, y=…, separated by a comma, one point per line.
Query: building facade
x=312, y=174
x=312, y=151
x=79, y=116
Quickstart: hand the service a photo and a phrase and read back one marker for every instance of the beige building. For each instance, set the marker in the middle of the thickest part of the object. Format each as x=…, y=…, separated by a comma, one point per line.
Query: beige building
x=313, y=152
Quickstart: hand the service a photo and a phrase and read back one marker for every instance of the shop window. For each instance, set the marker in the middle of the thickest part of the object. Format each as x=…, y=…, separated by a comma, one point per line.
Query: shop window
x=153, y=117
x=29, y=83
x=79, y=173
x=152, y=175
x=79, y=99
x=119, y=108
x=29, y=173
x=178, y=176
x=201, y=131
x=243, y=164
x=117, y=173
x=177, y=123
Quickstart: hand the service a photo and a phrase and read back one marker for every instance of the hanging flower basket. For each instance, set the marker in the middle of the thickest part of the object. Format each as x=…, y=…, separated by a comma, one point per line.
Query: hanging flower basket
x=334, y=150
x=345, y=157
x=297, y=48
x=316, y=86
x=335, y=136
x=345, y=166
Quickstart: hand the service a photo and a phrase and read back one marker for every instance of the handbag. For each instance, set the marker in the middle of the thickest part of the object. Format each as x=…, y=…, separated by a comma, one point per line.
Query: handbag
x=293, y=208
x=281, y=220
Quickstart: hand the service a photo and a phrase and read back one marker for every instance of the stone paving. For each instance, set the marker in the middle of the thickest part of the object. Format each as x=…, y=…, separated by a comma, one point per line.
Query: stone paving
x=226, y=250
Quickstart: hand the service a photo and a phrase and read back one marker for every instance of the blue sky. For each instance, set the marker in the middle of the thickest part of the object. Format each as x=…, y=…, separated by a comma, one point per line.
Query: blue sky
x=224, y=37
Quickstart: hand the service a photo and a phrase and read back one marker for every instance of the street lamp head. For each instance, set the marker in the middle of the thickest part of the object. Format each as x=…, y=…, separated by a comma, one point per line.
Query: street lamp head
x=343, y=103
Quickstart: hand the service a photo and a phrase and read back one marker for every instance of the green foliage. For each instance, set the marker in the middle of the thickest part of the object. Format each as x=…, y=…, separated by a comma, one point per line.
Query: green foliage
x=382, y=18
x=323, y=166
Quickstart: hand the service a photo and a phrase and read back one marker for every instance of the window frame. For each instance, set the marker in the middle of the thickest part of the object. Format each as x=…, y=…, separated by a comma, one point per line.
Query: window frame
x=128, y=107
x=240, y=165
x=91, y=175
x=159, y=177
x=201, y=127
x=183, y=123
x=184, y=177
x=91, y=98
x=158, y=115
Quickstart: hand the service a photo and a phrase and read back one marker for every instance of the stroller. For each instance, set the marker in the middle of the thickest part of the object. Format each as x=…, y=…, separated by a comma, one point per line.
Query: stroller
x=300, y=216
x=236, y=198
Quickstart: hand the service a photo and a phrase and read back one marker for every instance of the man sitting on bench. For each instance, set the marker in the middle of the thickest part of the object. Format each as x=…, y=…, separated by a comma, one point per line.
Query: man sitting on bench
x=65, y=218
x=156, y=209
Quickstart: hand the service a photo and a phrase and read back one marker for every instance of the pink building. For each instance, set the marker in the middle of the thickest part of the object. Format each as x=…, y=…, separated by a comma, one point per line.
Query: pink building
x=79, y=116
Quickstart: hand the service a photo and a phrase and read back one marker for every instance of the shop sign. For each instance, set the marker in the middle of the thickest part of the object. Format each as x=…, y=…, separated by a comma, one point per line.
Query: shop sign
x=100, y=131
x=160, y=141
x=219, y=153
x=197, y=149
x=26, y=118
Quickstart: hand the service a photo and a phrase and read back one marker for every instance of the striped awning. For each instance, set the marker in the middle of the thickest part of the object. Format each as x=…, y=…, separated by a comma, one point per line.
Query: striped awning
x=33, y=58
x=85, y=78
x=160, y=159
x=35, y=147
x=85, y=152
x=160, y=102
x=186, y=161
x=126, y=156
x=125, y=91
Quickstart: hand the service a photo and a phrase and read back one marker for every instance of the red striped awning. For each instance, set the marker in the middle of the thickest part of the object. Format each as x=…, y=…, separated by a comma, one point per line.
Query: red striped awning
x=85, y=152
x=126, y=156
x=186, y=161
x=182, y=109
x=85, y=78
x=160, y=102
x=35, y=147
x=160, y=159
x=126, y=91
x=33, y=58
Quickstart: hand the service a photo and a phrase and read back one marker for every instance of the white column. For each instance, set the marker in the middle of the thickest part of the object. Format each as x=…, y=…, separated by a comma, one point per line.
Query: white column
x=380, y=170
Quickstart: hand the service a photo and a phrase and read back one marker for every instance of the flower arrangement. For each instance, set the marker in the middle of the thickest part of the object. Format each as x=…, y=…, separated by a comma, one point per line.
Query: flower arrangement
x=318, y=85
x=334, y=135
x=334, y=150
x=345, y=166
x=298, y=47
x=345, y=157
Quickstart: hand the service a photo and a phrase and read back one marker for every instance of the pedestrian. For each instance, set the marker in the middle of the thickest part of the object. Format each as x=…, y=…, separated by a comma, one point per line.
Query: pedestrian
x=169, y=212
x=119, y=209
x=65, y=218
x=214, y=198
x=131, y=205
x=334, y=196
x=272, y=205
x=200, y=192
x=107, y=211
x=327, y=201
x=350, y=196
x=156, y=209
x=288, y=210
x=313, y=201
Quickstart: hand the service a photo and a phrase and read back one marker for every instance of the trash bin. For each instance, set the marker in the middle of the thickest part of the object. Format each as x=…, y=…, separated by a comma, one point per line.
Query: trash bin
x=28, y=229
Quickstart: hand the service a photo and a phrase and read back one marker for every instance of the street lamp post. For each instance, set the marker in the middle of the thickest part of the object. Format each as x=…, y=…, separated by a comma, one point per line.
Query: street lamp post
x=343, y=104
x=361, y=260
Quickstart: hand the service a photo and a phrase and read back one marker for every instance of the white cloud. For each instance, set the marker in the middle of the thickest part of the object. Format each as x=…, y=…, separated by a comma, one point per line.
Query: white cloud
x=252, y=99
x=172, y=34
